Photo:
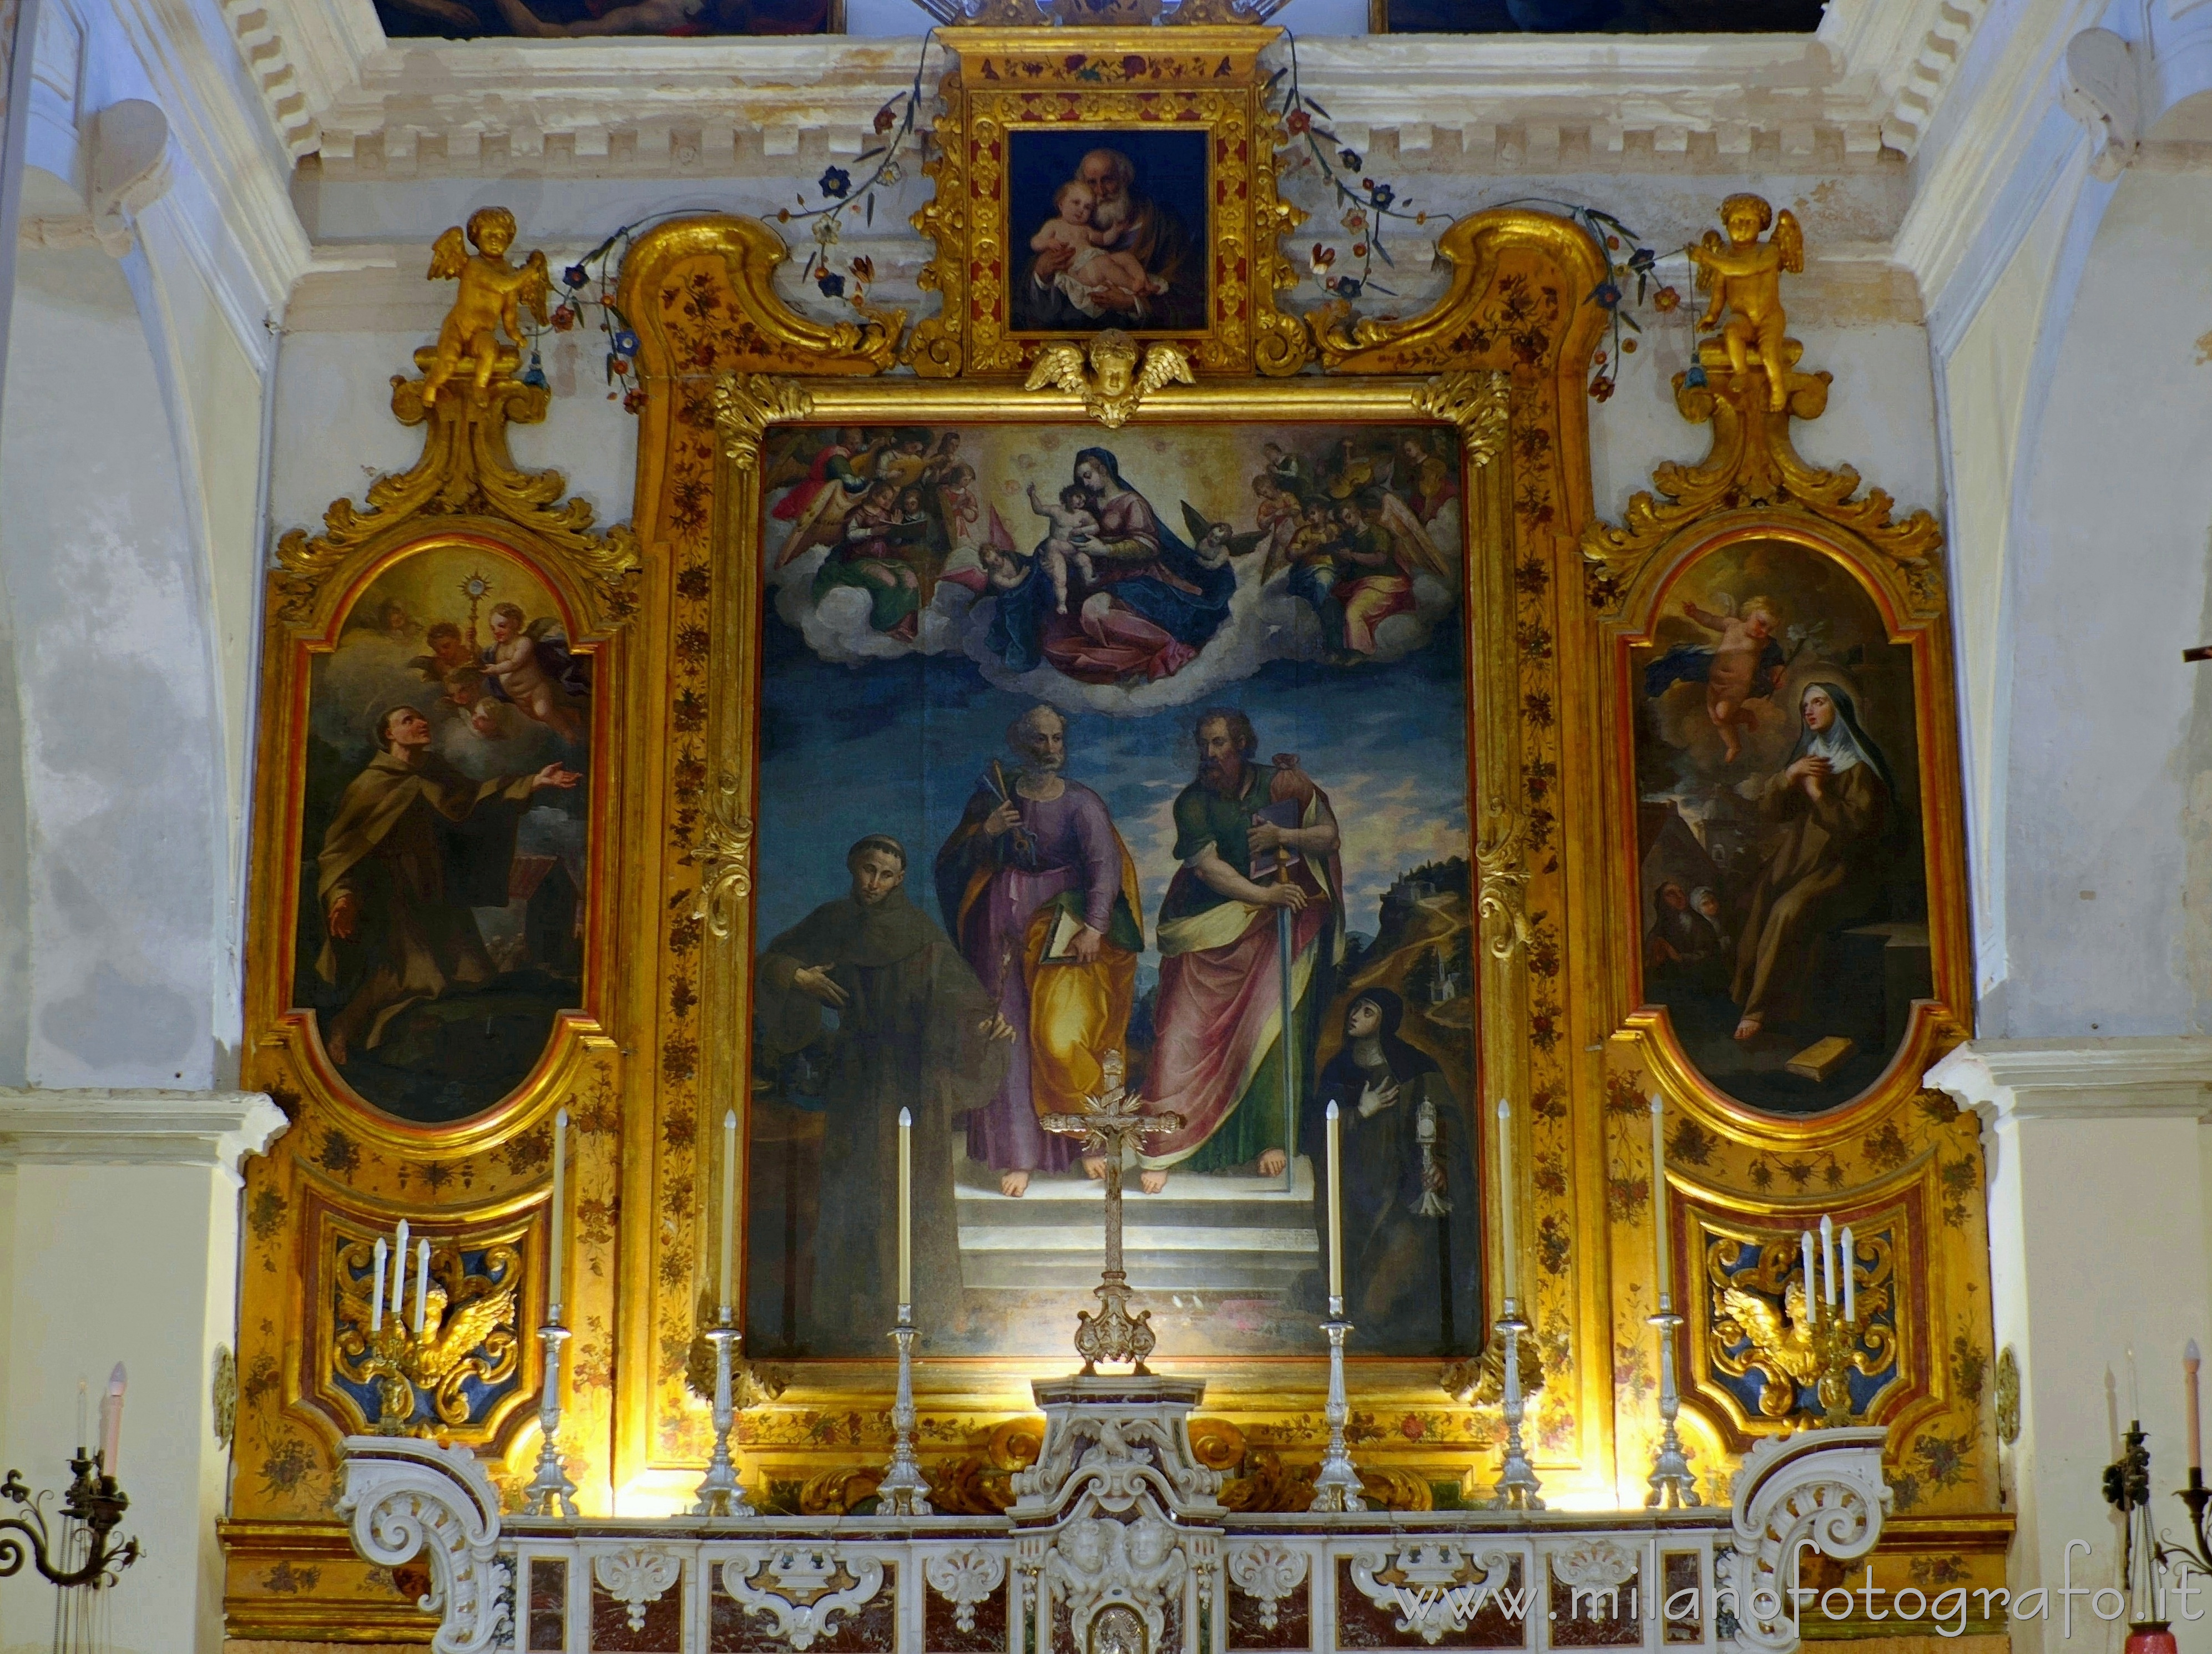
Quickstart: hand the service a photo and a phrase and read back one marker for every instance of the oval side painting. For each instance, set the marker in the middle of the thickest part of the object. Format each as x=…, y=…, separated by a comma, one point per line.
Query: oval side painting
x=1780, y=875
x=443, y=833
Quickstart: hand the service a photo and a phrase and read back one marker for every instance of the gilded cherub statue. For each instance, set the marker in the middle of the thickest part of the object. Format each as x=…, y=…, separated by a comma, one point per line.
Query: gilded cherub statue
x=1745, y=274
x=492, y=293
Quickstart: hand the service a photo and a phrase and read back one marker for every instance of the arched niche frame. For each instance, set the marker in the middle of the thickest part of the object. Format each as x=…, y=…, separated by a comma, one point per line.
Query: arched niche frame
x=1755, y=1154
x=349, y=612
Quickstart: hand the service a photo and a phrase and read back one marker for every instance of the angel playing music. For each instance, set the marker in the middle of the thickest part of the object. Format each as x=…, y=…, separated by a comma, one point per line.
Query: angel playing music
x=1745, y=274
x=492, y=295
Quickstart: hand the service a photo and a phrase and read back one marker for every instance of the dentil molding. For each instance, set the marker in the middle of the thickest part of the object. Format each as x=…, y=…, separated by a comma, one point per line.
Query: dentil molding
x=1867, y=83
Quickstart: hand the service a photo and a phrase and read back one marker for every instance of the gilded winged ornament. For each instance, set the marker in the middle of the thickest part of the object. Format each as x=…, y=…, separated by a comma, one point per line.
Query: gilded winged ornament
x=1112, y=383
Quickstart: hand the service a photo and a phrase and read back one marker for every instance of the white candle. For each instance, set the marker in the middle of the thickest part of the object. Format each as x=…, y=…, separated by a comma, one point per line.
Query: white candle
x=729, y=1210
x=1505, y=1195
x=84, y=1440
x=1335, y=1212
x=905, y=1210
x=1828, y=1259
x=399, y=1264
x=1850, y=1281
x=1659, y=1200
x=111, y=1421
x=2135, y=1395
x=1812, y=1284
x=557, y=1220
x=421, y=1284
x=2191, y=1361
x=376, y=1293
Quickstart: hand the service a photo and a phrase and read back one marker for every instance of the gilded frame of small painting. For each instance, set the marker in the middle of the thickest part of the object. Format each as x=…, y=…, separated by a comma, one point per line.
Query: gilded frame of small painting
x=1106, y=179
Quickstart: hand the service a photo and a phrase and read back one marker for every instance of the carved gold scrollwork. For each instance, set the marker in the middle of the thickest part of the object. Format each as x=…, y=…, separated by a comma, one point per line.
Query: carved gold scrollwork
x=725, y=855
x=465, y=470
x=1758, y=1311
x=468, y=1335
x=746, y=405
x=1754, y=462
x=1502, y=880
x=1479, y=404
x=1480, y=1380
x=1746, y=386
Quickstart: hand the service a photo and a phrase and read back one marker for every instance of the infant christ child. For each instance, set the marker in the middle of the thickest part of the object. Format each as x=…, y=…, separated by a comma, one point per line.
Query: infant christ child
x=1095, y=265
x=1072, y=520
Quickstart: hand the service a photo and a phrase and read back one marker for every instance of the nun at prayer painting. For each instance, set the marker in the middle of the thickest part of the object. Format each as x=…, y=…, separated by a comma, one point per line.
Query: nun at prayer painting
x=1781, y=869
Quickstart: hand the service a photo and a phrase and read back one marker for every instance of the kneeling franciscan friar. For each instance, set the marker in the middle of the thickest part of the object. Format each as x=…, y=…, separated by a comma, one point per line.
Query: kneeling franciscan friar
x=890, y=1017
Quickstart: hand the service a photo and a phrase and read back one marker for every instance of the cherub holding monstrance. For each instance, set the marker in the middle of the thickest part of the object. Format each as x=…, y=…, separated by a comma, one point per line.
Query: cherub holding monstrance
x=1745, y=274
x=493, y=293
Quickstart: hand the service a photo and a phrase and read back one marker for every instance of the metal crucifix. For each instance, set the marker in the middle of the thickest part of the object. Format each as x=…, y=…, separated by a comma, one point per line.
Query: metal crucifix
x=1109, y=1126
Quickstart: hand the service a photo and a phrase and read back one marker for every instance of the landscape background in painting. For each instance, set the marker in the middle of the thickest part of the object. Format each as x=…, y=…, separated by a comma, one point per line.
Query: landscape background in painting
x=879, y=714
x=507, y=878
x=1860, y=956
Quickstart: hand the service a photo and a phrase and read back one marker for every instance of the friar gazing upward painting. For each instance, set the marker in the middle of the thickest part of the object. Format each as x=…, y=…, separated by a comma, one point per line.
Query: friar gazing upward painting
x=445, y=834
x=1146, y=750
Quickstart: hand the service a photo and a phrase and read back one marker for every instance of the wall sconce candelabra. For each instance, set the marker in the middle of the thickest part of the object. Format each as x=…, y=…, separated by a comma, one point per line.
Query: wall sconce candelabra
x=92, y=1505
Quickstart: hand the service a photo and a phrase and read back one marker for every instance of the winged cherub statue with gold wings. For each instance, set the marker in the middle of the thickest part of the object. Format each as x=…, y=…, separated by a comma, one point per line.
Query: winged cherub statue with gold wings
x=1746, y=274
x=493, y=293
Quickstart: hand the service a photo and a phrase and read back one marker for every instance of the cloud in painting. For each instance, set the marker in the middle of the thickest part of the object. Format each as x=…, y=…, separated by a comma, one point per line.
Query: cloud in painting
x=1266, y=622
x=836, y=628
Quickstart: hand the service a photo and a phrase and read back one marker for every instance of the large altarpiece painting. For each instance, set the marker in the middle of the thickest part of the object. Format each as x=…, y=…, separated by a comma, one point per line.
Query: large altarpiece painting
x=1153, y=691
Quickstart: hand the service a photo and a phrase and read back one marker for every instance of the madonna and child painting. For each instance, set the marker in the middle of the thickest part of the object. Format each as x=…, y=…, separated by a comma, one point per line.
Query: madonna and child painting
x=1782, y=871
x=1144, y=755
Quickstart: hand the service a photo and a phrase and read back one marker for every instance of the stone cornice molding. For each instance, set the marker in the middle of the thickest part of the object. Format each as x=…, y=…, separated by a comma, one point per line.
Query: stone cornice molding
x=674, y=107
x=2148, y=1078
x=212, y=1129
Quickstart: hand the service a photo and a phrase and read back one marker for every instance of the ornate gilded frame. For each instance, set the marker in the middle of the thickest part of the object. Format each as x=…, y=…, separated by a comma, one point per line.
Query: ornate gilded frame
x=1899, y=1161
x=1197, y=76
x=673, y=611
x=1521, y=412
x=345, y=1173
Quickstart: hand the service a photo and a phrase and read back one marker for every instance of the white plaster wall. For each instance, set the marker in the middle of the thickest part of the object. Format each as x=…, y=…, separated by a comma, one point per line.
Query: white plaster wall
x=335, y=429
x=163, y=1324
x=122, y=754
x=2107, y=809
x=1881, y=417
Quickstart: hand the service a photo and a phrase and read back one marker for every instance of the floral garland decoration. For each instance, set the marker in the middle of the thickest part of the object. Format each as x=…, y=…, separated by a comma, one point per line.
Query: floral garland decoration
x=843, y=198
x=1371, y=206
x=587, y=286
x=1370, y=210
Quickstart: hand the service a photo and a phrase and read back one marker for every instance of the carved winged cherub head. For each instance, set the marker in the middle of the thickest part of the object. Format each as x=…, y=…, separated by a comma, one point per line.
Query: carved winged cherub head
x=1113, y=359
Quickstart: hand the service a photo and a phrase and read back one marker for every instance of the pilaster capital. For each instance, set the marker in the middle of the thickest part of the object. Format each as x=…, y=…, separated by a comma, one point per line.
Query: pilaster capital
x=2154, y=1077
x=213, y=1128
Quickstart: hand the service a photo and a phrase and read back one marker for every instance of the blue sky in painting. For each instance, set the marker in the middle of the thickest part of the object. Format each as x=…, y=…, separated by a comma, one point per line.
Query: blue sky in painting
x=897, y=746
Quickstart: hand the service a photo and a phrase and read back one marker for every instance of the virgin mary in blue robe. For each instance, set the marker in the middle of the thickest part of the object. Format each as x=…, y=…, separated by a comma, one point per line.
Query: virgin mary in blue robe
x=1163, y=601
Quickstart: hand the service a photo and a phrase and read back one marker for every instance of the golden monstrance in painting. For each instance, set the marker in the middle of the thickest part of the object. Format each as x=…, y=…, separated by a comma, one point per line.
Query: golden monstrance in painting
x=1114, y=696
